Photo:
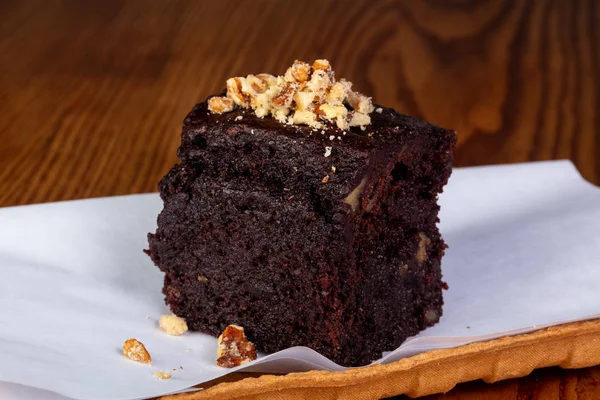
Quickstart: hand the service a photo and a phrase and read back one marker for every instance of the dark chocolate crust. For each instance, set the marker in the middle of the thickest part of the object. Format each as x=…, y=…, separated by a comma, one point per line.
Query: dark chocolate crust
x=251, y=235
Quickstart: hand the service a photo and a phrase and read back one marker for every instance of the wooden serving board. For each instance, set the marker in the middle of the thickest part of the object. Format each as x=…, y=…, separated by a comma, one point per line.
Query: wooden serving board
x=574, y=345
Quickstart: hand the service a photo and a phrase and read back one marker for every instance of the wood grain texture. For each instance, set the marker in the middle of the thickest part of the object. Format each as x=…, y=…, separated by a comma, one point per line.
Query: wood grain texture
x=92, y=94
x=544, y=384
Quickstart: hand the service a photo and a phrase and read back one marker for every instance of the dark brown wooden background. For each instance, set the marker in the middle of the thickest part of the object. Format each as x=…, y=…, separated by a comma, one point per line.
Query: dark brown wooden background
x=92, y=93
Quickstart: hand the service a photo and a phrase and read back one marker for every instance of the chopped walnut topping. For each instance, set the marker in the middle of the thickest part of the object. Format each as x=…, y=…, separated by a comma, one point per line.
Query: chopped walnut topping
x=304, y=95
x=304, y=101
x=136, y=351
x=338, y=92
x=359, y=119
x=305, y=118
x=298, y=72
x=261, y=82
x=331, y=112
x=318, y=84
x=162, y=375
x=325, y=179
x=173, y=325
x=360, y=102
x=322, y=65
x=234, y=92
x=234, y=349
x=285, y=96
x=220, y=105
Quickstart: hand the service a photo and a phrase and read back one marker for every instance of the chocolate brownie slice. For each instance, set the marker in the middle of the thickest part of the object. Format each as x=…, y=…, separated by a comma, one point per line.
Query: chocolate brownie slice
x=320, y=234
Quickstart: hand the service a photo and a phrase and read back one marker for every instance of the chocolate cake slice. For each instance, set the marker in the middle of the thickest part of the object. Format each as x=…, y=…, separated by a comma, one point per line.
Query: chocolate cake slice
x=306, y=215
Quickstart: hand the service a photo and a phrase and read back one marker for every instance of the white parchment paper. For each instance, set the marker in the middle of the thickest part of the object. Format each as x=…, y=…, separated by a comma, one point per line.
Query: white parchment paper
x=74, y=284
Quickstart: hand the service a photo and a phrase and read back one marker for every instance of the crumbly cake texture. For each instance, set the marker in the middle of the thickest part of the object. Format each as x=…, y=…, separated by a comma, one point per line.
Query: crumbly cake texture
x=321, y=238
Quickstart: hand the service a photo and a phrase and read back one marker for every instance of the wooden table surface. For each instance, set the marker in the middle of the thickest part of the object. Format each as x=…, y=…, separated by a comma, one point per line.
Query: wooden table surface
x=92, y=93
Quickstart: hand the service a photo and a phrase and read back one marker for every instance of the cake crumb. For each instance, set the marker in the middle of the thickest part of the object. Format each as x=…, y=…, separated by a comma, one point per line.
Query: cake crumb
x=147, y=317
x=136, y=351
x=173, y=325
x=233, y=348
x=181, y=368
x=202, y=278
x=325, y=179
x=238, y=118
x=162, y=375
x=468, y=327
x=328, y=151
x=379, y=110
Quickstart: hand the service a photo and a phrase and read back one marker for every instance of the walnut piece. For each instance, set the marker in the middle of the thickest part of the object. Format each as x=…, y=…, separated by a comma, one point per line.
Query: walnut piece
x=173, y=325
x=305, y=117
x=424, y=241
x=331, y=112
x=136, y=351
x=359, y=119
x=162, y=375
x=220, y=105
x=431, y=317
x=304, y=95
x=298, y=72
x=353, y=198
x=322, y=65
x=285, y=96
x=234, y=349
x=234, y=92
x=360, y=102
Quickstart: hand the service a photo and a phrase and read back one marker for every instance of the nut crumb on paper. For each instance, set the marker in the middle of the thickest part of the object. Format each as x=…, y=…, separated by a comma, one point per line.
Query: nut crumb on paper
x=173, y=325
x=162, y=375
x=136, y=351
x=233, y=348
